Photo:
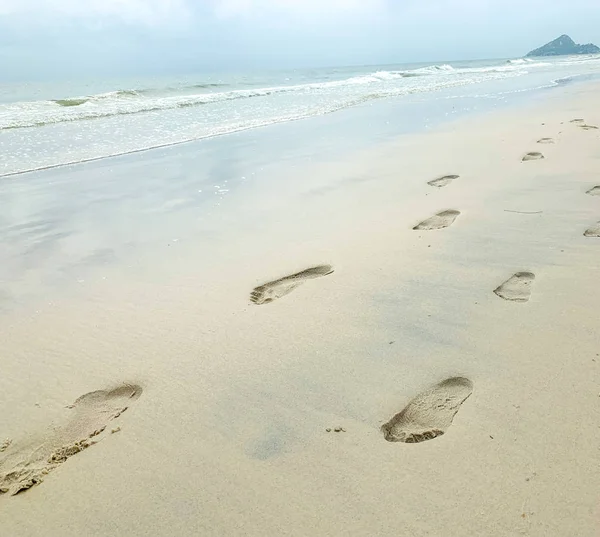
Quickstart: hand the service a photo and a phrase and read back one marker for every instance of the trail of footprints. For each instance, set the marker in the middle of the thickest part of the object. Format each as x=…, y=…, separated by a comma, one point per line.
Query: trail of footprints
x=427, y=416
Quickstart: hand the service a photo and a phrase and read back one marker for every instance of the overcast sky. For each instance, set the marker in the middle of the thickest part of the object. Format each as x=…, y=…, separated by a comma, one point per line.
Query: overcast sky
x=46, y=38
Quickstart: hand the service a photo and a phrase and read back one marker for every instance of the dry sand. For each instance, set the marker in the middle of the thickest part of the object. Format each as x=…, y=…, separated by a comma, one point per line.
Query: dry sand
x=492, y=406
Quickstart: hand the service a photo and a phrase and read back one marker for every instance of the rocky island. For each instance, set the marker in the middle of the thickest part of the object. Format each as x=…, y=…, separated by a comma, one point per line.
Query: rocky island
x=563, y=46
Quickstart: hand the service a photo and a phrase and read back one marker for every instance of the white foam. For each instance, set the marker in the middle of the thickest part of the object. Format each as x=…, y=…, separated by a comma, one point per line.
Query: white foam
x=520, y=61
x=172, y=115
x=124, y=102
x=433, y=69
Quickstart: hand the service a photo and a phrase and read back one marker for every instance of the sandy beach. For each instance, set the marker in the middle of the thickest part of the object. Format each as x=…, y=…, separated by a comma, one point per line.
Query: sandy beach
x=398, y=341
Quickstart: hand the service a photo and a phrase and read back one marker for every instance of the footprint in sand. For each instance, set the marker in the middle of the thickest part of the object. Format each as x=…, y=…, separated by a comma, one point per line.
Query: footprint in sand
x=545, y=141
x=583, y=125
x=263, y=294
x=26, y=465
x=534, y=155
x=439, y=220
x=517, y=288
x=594, y=231
x=430, y=413
x=594, y=191
x=442, y=181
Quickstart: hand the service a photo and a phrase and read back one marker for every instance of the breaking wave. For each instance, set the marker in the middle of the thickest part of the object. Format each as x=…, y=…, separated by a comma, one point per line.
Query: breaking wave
x=520, y=61
x=78, y=101
x=135, y=101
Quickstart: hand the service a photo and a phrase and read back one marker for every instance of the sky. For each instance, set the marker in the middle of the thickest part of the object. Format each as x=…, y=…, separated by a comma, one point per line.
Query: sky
x=41, y=39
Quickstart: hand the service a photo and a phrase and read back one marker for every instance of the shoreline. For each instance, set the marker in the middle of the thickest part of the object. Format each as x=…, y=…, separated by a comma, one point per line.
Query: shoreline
x=346, y=112
x=229, y=435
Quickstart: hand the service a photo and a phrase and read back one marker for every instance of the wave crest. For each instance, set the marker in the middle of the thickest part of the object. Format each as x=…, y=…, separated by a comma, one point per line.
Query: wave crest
x=135, y=101
x=70, y=102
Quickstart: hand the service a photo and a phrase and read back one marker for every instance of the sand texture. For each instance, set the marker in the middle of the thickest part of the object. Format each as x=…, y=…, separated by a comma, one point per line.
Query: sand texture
x=443, y=381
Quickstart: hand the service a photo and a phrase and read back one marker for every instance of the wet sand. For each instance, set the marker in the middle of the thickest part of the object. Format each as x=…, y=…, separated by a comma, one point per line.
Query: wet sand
x=459, y=410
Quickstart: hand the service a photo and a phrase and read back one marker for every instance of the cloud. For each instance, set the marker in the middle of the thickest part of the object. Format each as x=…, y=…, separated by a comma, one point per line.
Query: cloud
x=149, y=12
x=301, y=8
x=164, y=11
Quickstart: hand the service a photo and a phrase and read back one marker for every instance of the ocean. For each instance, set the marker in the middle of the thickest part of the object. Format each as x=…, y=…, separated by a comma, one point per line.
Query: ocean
x=45, y=125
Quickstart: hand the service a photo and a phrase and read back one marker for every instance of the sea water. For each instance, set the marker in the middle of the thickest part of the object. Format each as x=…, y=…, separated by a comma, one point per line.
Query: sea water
x=51, y=124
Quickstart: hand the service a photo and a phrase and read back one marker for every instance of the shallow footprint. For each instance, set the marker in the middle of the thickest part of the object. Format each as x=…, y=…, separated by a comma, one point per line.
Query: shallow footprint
x=263, y=294
x=439, y=220
x=545, y=141
x=594, y=191
x=577, y=121
x=430, y=413
x=26, y=465
x=517, y=288
x=534, y=155
x=594, y=231
x=442, y=181
x=586, y=127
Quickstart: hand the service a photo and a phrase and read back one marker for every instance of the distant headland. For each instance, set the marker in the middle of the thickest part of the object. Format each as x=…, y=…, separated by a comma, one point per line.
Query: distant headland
x=563, y=46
